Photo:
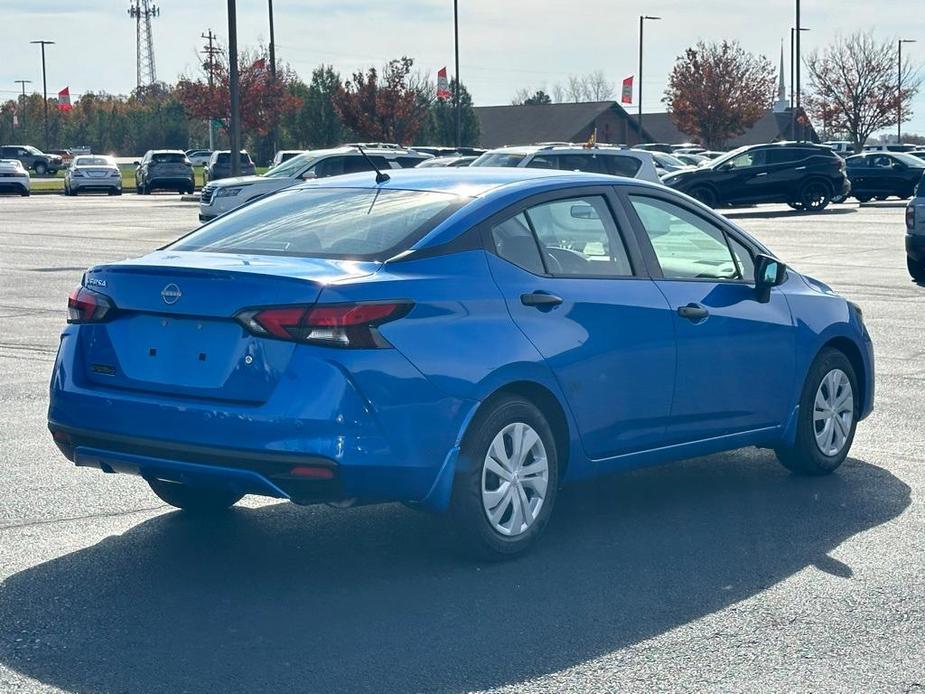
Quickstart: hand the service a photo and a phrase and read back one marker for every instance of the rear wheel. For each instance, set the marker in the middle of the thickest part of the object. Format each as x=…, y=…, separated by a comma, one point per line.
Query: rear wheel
x=827, y=417
x=506, y=484
x=25, y=193
x=863, y=198
x=194, y=499
x=705, y=195
x=916, y=269
x=815, y=196
x=882, y=197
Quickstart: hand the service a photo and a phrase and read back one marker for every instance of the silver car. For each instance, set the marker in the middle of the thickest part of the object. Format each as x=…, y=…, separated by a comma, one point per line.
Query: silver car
x=568, y=156
x=14, y=177
x=915, y=234
x=93, y=172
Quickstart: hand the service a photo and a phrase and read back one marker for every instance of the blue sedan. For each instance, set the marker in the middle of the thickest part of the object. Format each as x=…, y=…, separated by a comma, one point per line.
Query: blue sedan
x=464, y=340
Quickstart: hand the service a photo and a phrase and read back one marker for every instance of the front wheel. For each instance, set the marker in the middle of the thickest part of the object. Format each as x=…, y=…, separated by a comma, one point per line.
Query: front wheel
x=40, y=169
x=705, y=195
x=827, y=418
x=200, y=500
x=916, y=269
x=506, y=483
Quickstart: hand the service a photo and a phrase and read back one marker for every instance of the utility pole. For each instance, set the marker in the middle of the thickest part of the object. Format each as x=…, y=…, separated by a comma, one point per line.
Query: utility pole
x=233, y=88
x=22, y=106
x=899, y=89
x=272, y=65
x=456, y=103
x=44, y=86
x=211, y=50
x=642, y=19
x=797, y=59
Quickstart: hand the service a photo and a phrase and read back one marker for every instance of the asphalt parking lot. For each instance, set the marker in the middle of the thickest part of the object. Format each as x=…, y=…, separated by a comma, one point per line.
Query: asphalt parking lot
x=723, y=573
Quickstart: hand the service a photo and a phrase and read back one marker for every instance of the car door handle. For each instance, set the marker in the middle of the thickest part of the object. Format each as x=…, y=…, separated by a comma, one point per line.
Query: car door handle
x=540, y=299
x=800, y=168
x=763, y=173
x=693, y=312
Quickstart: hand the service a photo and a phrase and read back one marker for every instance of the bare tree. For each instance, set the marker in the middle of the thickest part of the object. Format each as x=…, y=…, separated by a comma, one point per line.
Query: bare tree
x=853, y=84
x=575, y=89
x=598, y=88
x=558, y=93
x=717, y=91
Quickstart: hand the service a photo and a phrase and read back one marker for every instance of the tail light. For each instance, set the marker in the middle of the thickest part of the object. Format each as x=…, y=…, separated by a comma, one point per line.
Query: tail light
x=85, y=306
x=910, y=216
x=334, y=325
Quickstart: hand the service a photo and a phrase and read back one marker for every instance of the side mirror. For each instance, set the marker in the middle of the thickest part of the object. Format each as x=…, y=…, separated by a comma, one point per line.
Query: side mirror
x=308, y=175
x=725, y=167
x=769, y=272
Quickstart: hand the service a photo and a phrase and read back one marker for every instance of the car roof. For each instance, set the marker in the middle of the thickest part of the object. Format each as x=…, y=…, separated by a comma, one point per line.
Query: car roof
x=469, y=181
x=378, y=151
x=565, y=147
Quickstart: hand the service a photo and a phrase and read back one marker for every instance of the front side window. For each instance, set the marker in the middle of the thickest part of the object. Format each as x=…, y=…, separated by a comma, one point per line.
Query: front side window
x=579, y=237
x=686, y=245
x=755, y=157
x=342, y=223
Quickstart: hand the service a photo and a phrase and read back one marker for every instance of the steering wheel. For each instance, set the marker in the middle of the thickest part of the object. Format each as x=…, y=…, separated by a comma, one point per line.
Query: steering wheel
x=568, y=261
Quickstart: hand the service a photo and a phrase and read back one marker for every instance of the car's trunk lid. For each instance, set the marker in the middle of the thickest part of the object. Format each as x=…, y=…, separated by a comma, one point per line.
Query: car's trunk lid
x=173, y=329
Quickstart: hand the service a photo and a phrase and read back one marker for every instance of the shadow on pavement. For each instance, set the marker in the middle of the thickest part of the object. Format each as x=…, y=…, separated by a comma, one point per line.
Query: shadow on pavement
x=283, y=598
x=774, y=214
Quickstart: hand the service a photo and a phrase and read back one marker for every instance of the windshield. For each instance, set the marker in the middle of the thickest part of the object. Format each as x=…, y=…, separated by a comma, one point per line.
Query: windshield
x=32, y=150
x=499, y=159
x=95, y=161
x=344, y=223
x=667, y=160
x=293, y=167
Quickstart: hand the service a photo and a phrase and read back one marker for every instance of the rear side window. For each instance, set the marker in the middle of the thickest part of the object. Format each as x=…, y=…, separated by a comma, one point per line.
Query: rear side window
x=515, y=243
x=621, y=166
x=338, y=223
x=409, y=162
x=786, y=155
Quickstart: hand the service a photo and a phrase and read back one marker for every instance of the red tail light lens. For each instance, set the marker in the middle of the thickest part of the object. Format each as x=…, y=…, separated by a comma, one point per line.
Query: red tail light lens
x=85, y=306
x=335, y=325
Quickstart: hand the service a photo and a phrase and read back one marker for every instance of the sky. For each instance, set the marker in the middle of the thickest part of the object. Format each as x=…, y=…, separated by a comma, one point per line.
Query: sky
x=505, y=45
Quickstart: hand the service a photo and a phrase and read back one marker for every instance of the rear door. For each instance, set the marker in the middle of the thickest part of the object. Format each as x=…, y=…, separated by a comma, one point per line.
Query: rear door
x=573, y=284
x=736, y=355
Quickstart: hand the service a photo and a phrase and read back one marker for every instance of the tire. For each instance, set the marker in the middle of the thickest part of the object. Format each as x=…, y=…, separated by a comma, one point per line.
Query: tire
x=199, y=500
x=705, y=195
x=794, y=205
x=115, y=191
x=25, y=193
x=863, y=198
x=487, y=455
x=881, y=198
x=813, y=453
x=40, y=169
x=815, y=196
x=916, y=269
x=838, y=199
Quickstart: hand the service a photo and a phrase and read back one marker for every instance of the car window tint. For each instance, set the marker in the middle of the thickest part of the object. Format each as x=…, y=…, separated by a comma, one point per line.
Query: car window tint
x=581, y=162
x=341, y=223
x=409, y=162
x=515, y=243
x=169, y=157
x=332, y=166
x=686, y=245
x=785, y=155
x=543, y=161
x=579, y=237
x=617, y=165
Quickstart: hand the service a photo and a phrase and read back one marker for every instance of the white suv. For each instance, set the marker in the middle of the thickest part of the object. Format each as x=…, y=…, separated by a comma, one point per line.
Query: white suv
x=567, y=156
x=224, y=195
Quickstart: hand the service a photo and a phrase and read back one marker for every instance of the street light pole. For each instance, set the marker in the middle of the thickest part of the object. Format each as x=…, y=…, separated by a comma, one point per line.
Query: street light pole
x=456, y=104
x=642, y=19
x=793, y=31
x=233, y=88
x=44, y=86
x=797, y=58
x=22, y=108
x=899, y=89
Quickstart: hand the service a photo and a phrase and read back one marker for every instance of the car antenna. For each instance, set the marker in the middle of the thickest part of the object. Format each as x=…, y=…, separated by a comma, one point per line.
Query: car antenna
x=380, y=177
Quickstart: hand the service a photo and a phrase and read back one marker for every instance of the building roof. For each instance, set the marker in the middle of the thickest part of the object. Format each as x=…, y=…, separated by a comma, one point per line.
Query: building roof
x=771, y=127
x=511, y=125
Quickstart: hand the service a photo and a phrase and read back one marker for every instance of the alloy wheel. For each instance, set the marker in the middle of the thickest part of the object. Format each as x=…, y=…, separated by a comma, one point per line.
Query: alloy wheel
x=515, y=476
x=815, y=196
x=833, y=412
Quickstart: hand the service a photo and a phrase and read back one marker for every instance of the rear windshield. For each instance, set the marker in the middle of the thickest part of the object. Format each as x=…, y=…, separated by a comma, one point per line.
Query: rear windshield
x=343, y=223
x=95, y=161
x=171, y=157
x=225, y=158
x=499, y=159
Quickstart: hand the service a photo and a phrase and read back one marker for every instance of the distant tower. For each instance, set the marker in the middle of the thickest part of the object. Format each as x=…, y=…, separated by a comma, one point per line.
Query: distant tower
x=142, y=11
x=781, y=104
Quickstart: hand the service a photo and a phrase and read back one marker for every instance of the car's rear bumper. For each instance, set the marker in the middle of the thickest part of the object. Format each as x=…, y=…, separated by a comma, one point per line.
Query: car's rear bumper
x=96, y=184
x=915, y=247
x=383, y=427
x=170, y=183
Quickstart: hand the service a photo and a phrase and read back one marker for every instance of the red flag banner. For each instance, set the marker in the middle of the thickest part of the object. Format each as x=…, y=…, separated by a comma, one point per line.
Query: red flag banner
x=443, y=87
x=626, y=96
x=64, y=99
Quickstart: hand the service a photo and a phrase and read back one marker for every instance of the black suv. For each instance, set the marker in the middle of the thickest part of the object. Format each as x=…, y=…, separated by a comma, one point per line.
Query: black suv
x=219, y=165
x=803, y=175
x=33, y=158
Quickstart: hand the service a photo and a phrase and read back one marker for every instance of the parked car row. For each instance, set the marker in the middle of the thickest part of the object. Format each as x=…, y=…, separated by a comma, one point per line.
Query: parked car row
x=14, y=177
x=33, y=159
